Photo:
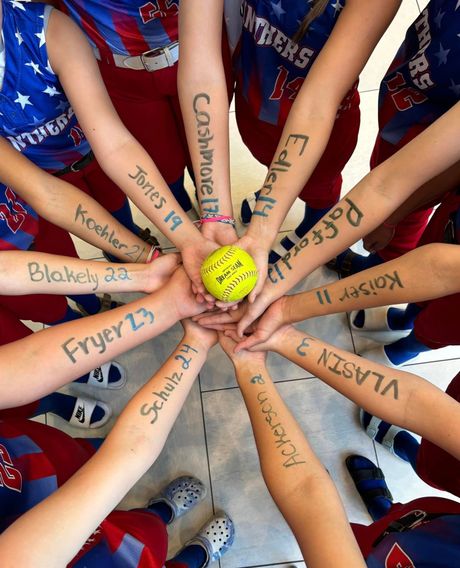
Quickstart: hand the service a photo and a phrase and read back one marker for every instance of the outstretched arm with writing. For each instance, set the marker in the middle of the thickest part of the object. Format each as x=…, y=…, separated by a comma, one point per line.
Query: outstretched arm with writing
x=312, y=116
x=404, y=279
x=60, y=525
x=398, y=397
x=24, y=272
x=119, y=154
x=204, y=103
x=68, y=207
x=367, y=205
x=74, y=348
x=298, y=482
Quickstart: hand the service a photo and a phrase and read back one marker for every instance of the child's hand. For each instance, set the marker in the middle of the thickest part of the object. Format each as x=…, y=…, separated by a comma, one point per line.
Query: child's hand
x=243, y=357
x=207, y=338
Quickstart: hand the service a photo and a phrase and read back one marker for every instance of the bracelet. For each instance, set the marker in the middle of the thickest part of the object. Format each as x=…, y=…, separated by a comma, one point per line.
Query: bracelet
x=153, y=254
x=215, y=218
x=389, y=225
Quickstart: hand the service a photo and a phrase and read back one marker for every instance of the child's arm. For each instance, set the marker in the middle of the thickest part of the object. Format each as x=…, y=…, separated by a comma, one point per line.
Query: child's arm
x=367, y=205
x=48, y=359
x=426, y=196
x=41, y=273
x=119, y=154
x=305, y=135
x=68, y=207
x=299, y=484
x=204, y=103
x=59, y=526
x=428, y=272
x=398, y=397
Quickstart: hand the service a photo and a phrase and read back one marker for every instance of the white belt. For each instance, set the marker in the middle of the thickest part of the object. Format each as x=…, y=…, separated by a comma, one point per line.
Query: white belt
x=151, y=60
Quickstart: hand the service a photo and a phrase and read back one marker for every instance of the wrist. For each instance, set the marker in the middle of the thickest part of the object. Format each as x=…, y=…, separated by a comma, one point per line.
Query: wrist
x=193, y=240
x=247, y=366
x=301, y=306
x=197, y=341
x=190, y=237
x=262, y=231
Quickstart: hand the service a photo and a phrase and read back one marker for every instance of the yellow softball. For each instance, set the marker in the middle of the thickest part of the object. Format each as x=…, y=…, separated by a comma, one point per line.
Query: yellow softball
x=229, y=273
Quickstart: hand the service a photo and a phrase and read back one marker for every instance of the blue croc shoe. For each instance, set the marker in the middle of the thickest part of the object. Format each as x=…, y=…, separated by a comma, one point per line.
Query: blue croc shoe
x=181, y=495
x=216, y=537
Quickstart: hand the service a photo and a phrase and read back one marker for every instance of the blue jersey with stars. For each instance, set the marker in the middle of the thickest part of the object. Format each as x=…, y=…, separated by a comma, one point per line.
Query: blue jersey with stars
x=35, y=115
x=272, y=67
x=423, y=81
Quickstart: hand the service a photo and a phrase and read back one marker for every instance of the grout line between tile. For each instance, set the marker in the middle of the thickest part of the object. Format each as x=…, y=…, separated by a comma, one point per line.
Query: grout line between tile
x=376, y=453
x=206, y=447
x=275, y=381
x=429, y=362
x=301, y=561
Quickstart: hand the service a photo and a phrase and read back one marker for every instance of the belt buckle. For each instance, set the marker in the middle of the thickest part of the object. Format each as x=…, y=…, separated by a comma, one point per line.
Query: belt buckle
x=156, y=52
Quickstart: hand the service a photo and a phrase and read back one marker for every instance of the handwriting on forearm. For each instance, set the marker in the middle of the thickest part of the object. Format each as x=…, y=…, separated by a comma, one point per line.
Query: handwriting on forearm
x=304, y=344
x=283, y=443
x=349, y=370
x=280, y=166
x=329, y=230
x=42, y=272
x=161, y=396
x=76, y=349
x=370, y=287
x=142, y=181
x=110, y=236
x=210, y=203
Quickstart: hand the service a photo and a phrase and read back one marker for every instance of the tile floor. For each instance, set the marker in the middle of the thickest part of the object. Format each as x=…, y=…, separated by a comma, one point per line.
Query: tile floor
x=212, y=438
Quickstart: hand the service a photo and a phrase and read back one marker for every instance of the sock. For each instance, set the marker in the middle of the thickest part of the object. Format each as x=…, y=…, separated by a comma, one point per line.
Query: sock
x=180, y=193
x=406, y=447
x=246, y=213
x=70, y=315
x=163, y=510
x=63, y=405
x=114, y=376
x=405, y=349
x=193, y=555
x=399, y=319
x=311, y=217
x=359, y=262
x=90, y=302
x=125, y=217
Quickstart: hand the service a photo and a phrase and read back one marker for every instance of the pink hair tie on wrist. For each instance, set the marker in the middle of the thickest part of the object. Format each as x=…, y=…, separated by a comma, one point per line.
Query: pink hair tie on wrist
x=154, y=253
x=213, y=218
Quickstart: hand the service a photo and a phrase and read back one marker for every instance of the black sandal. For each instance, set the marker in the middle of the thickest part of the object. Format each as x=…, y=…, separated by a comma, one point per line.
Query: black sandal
x=370, y=483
